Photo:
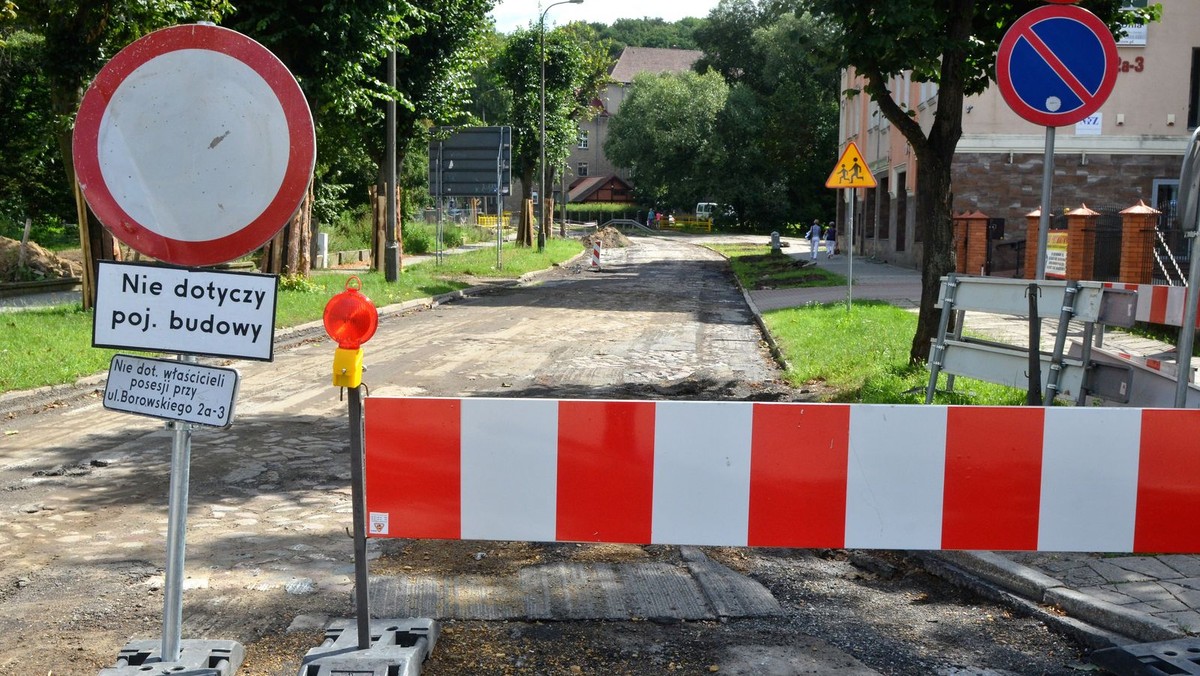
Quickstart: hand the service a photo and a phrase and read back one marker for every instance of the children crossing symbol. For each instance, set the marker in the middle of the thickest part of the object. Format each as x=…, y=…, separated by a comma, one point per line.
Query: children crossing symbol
x=851, y=171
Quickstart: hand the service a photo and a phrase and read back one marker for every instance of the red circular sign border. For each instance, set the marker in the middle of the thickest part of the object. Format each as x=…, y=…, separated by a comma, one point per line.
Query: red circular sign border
x=301, y=158
x=1004, y=58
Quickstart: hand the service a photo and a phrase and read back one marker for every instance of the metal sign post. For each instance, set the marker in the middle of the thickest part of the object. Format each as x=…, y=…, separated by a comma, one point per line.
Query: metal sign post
x=849, y=251
x=181, y=458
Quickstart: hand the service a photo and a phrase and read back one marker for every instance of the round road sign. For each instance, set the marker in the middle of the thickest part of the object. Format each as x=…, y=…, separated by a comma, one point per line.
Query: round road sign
x=194, y=145
x=1056, y=65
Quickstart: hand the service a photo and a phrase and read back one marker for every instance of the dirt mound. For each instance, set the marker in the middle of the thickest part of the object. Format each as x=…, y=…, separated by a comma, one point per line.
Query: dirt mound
x=39, y=264
x=608, y=237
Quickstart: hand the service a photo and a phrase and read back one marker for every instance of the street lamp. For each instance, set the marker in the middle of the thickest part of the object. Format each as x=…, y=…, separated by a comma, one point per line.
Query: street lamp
x=541, y=238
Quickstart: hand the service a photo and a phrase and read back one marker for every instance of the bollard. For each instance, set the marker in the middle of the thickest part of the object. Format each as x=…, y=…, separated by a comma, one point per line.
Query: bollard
x=596, y=255
x=775, y=243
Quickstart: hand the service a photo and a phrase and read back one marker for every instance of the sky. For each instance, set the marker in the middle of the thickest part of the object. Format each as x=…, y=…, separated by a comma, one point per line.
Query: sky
x=512, y=14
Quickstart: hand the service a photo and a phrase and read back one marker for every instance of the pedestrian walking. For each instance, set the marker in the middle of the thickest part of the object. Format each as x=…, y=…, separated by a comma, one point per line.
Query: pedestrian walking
x=830, y=240
x=814, y=238
x=650, y=219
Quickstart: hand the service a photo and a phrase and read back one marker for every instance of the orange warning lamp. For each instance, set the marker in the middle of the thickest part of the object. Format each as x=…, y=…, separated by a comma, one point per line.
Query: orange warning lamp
x=350, y=319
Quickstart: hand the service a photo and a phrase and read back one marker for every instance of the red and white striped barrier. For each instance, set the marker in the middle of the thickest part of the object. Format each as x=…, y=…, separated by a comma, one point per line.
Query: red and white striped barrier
x=596, y=255
x=1158, y=304
x=785, y=475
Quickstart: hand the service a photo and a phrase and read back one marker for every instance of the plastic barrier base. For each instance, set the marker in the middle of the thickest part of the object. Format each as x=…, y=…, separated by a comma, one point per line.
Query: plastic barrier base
x=398, y=648
x=196, y=658
x=1177, y=656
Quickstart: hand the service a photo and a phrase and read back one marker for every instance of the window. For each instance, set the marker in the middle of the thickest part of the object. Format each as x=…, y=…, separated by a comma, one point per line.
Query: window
x=1194, y=94
x=583, y=139
x=581, y=169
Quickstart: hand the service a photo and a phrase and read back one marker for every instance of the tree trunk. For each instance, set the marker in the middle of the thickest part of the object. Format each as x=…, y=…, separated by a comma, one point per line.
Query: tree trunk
x=935, y=217
x=525, y=226
x=96, y=242
x=288, y=253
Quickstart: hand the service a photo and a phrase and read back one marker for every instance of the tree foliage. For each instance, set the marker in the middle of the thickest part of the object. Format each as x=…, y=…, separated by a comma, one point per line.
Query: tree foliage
x=31, y=172
x=665, y=134
x=756, y=151
x=79, y=36
x=576, y=66
x=649, y=32
x=952, y=43
x=783, y=82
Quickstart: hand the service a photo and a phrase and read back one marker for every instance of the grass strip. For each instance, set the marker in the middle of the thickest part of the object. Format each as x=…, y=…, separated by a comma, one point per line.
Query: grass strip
x=862, y=353
x=757, y=268
x=53, y=346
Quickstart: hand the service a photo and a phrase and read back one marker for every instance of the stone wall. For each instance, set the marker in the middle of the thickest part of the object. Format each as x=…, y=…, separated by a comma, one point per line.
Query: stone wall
x=992, y=184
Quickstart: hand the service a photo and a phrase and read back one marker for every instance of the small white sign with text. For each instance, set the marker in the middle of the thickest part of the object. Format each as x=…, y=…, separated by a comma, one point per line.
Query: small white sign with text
x=1090, y=125
x=183, y=310
x=173, y=390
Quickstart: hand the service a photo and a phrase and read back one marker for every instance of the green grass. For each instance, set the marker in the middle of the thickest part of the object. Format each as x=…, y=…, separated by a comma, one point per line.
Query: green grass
x=53, y=346
x=757, y=268
x=862, y=353
x=48, y=347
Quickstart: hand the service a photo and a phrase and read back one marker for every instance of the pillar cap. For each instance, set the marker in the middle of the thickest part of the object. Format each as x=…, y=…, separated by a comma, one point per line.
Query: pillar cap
x=1036, y=213
x=1083, y=210
x=1141, y=208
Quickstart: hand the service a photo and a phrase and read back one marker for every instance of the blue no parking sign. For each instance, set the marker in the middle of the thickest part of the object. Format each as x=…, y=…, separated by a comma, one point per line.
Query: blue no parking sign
x=1057, y=65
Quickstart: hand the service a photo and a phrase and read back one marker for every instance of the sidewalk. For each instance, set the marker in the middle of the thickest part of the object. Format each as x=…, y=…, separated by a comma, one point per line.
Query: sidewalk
x=1138, y=598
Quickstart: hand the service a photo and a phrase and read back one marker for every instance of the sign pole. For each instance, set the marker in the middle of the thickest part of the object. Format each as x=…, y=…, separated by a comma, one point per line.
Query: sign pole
x=361, y=579
x=1047, y=185
x=391, y=247
x=499, y=202
x=181, y=457
x=850, y=252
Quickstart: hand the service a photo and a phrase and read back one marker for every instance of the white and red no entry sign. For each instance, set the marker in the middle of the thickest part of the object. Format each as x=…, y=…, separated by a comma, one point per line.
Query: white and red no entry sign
x=194, y=145
x=1057, y=65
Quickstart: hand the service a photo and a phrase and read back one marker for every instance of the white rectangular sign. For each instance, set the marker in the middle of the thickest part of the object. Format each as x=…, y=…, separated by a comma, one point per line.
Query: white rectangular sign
x=1090, y=125
x=173, y=390
x=152, y=307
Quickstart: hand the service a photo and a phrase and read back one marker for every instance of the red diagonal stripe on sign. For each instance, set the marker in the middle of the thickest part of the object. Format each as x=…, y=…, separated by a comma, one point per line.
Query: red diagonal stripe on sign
x=1058, y=66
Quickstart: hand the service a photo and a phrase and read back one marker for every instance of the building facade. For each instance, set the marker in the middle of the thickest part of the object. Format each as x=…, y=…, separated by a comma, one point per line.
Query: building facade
x=1131, y=149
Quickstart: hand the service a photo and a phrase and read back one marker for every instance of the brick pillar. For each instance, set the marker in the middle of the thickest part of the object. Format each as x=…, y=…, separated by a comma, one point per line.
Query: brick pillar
x=1137, y=243
x=1081, y=243
x=1032, y=224
x=960, y=243
x=977, y=243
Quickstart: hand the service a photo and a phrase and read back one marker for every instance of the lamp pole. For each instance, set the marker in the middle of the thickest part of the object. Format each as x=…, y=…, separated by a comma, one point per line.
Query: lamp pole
x=391, y=247
x=541, y=236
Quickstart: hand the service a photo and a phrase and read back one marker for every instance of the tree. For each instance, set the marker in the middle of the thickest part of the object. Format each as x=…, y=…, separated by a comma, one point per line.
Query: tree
x=336, y=53
x=80, y=36
x=434, y=77
x=649, y=32
x=952, y=43
x=664, y=133
x=781, y=112
x=31, y=183
x=576, y=69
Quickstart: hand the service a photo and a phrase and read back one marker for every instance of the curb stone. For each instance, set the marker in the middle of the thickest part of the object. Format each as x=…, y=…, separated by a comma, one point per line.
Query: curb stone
x=1041, y=588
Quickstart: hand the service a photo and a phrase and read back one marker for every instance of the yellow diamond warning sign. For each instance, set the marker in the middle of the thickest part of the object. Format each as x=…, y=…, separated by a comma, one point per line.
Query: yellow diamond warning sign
x=850, y=171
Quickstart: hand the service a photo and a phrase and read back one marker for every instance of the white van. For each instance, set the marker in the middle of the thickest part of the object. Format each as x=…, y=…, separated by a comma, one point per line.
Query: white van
x=705, y=210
